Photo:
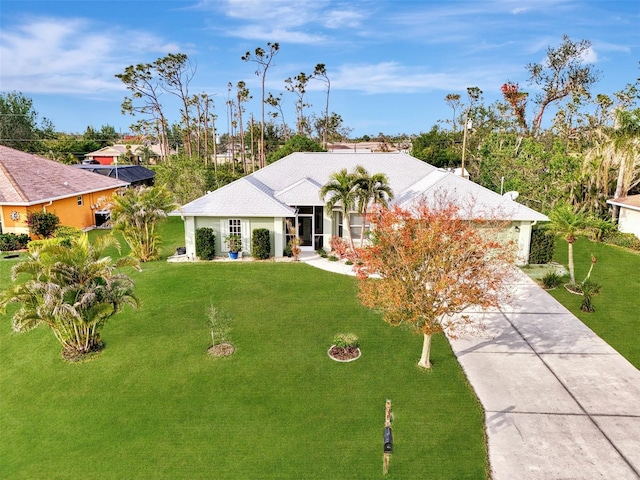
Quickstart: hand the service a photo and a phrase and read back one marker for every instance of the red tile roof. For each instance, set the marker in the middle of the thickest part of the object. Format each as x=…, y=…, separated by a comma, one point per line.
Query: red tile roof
x=27, y=179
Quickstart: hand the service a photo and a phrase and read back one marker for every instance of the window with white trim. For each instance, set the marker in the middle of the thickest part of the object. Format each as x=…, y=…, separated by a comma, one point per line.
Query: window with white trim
x=235, y=227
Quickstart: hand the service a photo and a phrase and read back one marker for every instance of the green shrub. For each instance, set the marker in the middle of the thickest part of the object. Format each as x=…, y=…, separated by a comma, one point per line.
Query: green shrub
x=346, y=340
x=205, y=243
x=35, y=245
x=626, y=240
x=261, y=243
x=43, y=224
x=332, y=258
x=542, y=247
x=11, y=241
x=551, y=280
x=67, y=231
x=589, y=289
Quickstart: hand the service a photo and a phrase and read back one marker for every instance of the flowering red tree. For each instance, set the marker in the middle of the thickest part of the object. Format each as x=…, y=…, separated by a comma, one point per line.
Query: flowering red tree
x=426, y=265
x=517, y=100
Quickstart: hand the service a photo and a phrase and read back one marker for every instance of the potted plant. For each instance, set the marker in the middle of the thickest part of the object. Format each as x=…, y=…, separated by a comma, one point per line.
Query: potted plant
x=234, y=244
x=345, y=347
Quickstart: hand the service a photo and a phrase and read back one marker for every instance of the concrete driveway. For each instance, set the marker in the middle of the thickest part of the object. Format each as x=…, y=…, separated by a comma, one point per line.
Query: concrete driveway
x=560, y=403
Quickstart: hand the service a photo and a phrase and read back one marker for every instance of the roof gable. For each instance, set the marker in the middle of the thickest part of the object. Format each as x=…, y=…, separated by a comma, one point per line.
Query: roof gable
x=245, y=197
x=475, y=201
x=303, y=192
x=27, y=179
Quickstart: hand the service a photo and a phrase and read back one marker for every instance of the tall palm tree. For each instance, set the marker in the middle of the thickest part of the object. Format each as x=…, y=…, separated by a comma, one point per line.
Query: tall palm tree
x=136, y=213
x=569, y=224
x=73, y=290
x=612, y=164
x=342, y=189
x=372, y=190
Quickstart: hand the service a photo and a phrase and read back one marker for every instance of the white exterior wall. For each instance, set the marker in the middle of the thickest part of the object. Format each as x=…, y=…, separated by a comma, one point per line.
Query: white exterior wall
x=219, y=225
x=629, y=221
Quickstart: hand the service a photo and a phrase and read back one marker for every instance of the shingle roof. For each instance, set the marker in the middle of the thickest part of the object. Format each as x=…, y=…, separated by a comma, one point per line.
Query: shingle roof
x=474, y=200
x=304, y=192
x=296, y=179
x=245, y=197
x=27, y=179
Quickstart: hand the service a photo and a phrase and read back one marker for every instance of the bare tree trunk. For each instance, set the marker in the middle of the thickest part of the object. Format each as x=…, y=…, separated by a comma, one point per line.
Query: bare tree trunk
x=253, y=156
x=347, y=225
x=425, y=360
x=619, y=188
x=572, y=274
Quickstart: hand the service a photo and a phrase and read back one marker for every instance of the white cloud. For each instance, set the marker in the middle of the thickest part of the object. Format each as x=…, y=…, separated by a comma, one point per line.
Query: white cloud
x=51, y=55
x=290, y=21
x=391, y=77
x=589, y=55
x=250, y=32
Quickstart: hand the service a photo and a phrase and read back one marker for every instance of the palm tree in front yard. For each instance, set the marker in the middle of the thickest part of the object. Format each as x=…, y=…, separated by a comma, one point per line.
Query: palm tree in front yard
x=372, y=189
x=341, y=189
x=136, y=213
x=73, y=290
x=565, y=222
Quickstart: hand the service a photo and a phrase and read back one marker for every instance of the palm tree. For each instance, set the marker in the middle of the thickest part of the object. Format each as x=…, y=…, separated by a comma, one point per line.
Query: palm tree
x=616, y=151
x=342, y=189
x=73, y=290
x=569, y=224
x=135, y=213
x=372, y=189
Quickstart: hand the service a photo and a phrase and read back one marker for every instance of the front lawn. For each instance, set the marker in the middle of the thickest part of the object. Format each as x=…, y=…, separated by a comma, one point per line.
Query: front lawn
x=154, y=405
x=617, y=315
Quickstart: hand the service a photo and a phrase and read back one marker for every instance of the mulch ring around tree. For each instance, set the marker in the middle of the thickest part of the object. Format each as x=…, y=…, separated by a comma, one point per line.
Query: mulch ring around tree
x=75, y=356
x=344, y=354
x=221, y=350
x=575, y=289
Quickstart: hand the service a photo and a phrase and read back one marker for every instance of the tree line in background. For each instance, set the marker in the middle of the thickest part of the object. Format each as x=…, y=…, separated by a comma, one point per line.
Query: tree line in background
x=590, y=152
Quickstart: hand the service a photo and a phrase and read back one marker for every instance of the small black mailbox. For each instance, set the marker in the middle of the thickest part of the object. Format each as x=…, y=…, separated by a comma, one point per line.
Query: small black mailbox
x=388, y=440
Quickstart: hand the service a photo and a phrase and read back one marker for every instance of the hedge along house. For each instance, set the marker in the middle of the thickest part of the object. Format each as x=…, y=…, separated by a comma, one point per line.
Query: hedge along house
x=289, y=190
x=30, y=183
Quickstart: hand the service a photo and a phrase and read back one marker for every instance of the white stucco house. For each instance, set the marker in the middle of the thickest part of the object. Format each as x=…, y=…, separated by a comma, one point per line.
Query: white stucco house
x=289, y=190
x=629, y=218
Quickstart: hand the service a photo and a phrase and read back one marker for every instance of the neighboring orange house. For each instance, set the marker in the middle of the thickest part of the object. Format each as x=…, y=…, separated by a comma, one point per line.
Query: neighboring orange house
x=31, y=183
x=124, y=154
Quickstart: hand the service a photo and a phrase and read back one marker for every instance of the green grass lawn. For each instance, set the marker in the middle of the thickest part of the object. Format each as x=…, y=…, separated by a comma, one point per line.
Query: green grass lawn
x=154, y=405
x=617, y=315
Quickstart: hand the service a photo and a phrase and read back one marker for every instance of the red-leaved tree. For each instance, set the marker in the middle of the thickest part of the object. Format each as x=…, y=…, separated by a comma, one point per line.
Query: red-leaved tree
x=427, y=265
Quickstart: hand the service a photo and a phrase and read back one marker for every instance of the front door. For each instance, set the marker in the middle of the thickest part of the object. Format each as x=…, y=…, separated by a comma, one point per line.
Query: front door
x=305, y=232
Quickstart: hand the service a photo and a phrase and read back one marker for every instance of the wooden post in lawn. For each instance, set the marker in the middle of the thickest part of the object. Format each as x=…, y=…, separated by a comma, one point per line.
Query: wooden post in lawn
x=387, y=438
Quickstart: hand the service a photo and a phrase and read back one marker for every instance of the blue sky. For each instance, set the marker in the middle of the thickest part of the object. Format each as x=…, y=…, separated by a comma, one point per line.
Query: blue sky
x=390, y=63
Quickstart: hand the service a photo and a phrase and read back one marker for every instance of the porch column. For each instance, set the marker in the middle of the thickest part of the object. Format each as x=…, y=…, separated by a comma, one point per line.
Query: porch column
x=190, y=237
x=524, y=243
x=278, y=237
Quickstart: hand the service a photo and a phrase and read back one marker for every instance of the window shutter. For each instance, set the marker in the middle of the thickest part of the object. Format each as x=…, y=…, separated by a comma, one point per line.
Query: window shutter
x=246, y=235
x=224, y=231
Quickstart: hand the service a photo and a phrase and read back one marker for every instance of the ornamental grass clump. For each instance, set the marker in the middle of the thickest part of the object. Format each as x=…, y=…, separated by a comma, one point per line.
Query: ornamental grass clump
x=346, y=340
x=551, y=280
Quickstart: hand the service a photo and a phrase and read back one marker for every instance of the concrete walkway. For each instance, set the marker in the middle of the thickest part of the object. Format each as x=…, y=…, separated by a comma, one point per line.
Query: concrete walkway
x=560, y=403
